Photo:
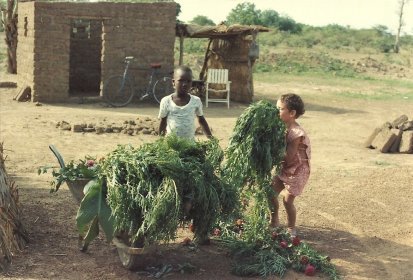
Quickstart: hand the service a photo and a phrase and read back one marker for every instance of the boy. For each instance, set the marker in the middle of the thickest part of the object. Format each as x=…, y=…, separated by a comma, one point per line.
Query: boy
x=177, y=111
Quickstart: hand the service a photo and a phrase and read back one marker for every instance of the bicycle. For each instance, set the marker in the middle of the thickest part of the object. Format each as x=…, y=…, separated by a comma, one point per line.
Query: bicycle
x=119, y=90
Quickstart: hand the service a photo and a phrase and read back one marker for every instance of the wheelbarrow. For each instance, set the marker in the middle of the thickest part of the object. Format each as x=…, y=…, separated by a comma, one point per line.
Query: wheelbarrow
x=76, y=186
x=133, y=257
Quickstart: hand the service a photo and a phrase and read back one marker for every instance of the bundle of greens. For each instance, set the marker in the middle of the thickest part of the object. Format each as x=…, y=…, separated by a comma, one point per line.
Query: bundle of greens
x=148, y=187
x=256, y=146
x=274, y=254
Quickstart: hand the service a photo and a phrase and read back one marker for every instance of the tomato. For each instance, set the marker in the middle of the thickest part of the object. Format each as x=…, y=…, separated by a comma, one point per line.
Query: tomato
x=309, y=270
x=283, y=244
x=274, y=235
x=217, y=232
x=296, y=241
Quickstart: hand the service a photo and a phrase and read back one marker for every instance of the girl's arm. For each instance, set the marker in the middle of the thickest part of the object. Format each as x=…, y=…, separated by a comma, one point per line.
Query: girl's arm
x=292, y=150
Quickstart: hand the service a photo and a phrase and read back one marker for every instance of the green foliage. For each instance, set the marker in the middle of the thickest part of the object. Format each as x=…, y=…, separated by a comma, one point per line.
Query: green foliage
x=149, y=186
x=202, y=20
x=86, y=168
x=244, y=13
x=270, y=18
x=272, y=253
x=94, y=212
x=256, y=146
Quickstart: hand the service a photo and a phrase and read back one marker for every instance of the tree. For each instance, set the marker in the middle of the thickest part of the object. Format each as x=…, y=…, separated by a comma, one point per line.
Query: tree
x=400, y=12
x=289, y=25
x=244, y=13
x=269, y=18
x=202, y=20
x=9, y=22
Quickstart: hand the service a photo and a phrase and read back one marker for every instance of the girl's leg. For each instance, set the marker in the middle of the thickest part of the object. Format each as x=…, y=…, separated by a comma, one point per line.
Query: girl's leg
x=291, y=212
x=277, y=186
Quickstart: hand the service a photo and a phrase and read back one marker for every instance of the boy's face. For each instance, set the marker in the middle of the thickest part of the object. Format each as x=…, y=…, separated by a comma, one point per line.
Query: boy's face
x=182, y=81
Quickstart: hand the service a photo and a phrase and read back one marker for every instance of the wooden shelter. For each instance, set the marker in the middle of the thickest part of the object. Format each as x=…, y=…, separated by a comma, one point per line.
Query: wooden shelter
x=232, y=47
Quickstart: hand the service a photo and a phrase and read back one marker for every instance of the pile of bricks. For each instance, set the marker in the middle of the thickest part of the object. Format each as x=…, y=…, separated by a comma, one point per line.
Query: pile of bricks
x=393, y=137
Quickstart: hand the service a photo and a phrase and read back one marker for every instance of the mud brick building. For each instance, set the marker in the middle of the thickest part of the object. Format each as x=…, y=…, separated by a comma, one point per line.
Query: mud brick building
x=68, y=50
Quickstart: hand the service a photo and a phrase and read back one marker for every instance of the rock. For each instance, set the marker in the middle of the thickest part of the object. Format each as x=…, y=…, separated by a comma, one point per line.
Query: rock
x=77, y=128
x=100, y=129
x=89, y=129
x=384, y=140
x=406, y=143
x=400, y=120
x=396, y=143
x=65, y=126
x=146, y=131
x=408, y=125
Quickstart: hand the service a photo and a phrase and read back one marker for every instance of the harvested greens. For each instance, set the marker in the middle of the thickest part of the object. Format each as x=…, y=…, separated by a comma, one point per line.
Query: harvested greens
x=149, y=185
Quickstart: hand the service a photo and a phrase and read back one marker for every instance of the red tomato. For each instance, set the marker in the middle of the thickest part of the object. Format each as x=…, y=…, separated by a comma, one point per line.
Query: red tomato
x=309, y=270
x=296, y=241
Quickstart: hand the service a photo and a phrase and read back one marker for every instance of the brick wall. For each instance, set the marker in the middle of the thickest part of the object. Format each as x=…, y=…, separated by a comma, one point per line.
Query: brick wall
x=25, y=46
x=143, y=30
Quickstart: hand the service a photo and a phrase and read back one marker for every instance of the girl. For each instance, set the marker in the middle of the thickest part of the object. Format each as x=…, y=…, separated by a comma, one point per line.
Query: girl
x=295, y=169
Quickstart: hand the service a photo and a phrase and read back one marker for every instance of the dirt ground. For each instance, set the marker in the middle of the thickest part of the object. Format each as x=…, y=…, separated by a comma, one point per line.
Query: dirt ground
x=357, y=206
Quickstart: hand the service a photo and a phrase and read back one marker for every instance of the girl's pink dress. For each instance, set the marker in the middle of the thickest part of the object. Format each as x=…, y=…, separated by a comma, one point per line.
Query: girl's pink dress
x=296, y=174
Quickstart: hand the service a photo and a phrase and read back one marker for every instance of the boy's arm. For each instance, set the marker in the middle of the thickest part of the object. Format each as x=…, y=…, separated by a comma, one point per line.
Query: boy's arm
x=162, y=127
x=205, y=127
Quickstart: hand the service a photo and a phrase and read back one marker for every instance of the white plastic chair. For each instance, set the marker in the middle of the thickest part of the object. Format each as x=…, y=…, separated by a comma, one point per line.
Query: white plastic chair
x=218, y=77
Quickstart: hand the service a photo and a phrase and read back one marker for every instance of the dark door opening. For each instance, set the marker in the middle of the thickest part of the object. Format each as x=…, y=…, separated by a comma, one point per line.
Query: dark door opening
x=85, y=57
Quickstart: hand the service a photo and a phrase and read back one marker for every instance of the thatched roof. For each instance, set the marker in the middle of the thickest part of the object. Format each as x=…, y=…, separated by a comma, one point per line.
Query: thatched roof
x=218, y=31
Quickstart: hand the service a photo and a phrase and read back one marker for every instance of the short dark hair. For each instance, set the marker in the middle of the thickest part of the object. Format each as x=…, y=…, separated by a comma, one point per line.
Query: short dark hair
x=183, y=68
x=293, y=102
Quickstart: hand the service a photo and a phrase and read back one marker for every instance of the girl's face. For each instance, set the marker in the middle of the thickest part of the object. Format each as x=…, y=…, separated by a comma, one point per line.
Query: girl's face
x=286, y=115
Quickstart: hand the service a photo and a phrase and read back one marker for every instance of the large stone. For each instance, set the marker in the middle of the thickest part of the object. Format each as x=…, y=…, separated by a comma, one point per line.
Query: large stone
x=407, y=125
x=373, y=135
x=384, y=140
x=396, y=143
x=399, y=121
x=406, y=143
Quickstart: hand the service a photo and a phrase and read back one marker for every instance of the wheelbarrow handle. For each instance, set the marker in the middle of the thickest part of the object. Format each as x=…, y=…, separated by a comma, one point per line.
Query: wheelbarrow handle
x=57, y=154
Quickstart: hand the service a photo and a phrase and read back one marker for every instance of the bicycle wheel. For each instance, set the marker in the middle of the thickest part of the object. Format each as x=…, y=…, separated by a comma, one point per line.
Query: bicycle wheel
x=117, y=92
x=162, y=88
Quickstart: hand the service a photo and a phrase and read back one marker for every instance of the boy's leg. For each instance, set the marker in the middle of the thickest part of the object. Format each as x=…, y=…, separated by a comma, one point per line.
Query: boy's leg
x=277, y=186
x=291, y=212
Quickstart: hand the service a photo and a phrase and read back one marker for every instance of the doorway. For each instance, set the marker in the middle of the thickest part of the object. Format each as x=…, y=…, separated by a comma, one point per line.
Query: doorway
x=85, y=57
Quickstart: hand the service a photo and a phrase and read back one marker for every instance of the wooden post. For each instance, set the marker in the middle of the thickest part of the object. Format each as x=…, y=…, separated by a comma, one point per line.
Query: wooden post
x=181, y=48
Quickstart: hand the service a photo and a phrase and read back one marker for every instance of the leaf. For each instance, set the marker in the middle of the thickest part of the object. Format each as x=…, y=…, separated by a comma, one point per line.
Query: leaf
x=92, y=233
x=93, y=208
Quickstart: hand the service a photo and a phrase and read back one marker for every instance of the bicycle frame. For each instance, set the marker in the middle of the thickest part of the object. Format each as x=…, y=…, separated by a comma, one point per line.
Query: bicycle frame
x=119, y=90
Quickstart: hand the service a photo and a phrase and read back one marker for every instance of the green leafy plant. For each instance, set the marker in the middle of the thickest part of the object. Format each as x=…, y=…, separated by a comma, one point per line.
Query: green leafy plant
x=94, y=212
x=87, y=168
x=149, y=186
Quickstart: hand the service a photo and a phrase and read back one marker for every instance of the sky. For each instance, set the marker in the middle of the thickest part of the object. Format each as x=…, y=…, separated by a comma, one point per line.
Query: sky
x=354, y=13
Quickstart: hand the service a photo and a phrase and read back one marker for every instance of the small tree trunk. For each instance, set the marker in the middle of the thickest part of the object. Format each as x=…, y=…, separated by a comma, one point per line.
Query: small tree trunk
x=402, y=3
x=9, y=21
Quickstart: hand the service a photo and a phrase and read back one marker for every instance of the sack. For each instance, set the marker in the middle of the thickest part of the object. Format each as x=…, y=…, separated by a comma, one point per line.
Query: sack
x=254, y=51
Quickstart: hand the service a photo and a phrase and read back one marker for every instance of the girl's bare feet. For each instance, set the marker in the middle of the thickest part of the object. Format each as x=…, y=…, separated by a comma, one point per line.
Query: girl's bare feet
x=274, y=222
x=292, y=232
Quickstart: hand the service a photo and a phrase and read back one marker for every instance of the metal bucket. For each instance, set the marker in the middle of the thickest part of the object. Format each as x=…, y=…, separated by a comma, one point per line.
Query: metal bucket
x=76, y=188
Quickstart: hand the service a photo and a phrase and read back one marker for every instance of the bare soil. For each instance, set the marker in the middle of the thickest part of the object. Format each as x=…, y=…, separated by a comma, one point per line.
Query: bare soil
x=357, y=206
